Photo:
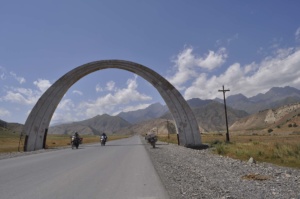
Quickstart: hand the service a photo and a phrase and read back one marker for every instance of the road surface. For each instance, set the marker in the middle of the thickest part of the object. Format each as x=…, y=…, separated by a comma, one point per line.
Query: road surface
x=121, y=169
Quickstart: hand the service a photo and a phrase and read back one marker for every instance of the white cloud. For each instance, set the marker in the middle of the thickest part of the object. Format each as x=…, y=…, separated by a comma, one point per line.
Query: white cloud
x=279, y=70
x=297, y=34
x=59, y=117
x=109, y=102
x=66, y=105
x=26, y=96
x=21, y=96
x=21, y=80
x=42, y=84
x=4, y=112
x=77, y=92
x=132, y=108
x=212, y=59
x=98, y=88
x=188, y=64
x=2, y=73
x=110, y=85
x=65, y=112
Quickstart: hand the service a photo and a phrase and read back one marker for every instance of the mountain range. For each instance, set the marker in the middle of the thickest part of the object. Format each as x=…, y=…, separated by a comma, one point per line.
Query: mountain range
x=275, y=97
x=96, y=125
x=210, y=115
x=153, y=111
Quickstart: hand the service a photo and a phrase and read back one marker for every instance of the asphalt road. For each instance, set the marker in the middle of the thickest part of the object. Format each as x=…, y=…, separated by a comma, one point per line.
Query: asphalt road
x=121, y=169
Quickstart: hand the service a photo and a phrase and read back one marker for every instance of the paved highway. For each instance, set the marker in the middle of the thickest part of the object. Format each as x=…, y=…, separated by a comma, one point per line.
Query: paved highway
x=121, y=169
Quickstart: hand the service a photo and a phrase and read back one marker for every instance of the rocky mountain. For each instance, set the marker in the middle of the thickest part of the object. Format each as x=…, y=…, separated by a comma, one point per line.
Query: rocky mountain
x=285, y=119
x=274, y=98
x=153, y=111
x=209, y=113
x=96, y=125
x=277, y=94
x=158, y=125
x=196, y=102
x=211, y=116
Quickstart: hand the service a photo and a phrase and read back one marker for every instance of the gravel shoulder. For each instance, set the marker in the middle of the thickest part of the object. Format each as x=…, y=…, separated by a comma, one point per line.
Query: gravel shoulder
x=188, y=173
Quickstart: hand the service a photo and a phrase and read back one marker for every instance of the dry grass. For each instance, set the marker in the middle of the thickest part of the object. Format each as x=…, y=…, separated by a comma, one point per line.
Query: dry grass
x=282, y=150
x=64, y=140
x=9, y=141
x=253, y=176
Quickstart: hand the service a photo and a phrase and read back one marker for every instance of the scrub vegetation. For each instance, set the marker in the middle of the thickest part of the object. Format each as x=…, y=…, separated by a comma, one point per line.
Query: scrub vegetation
x=283, y=150
x=9, y=140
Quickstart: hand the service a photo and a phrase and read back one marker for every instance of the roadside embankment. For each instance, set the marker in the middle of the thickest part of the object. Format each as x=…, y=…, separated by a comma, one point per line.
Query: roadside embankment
x=188, y=173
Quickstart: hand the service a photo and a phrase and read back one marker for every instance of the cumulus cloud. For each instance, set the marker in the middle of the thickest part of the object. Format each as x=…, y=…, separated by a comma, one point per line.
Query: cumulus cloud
x=65, y=112
x=280, y=70
x=26, y=96
x=187, y=65
x=109, y=102
x=66, y=105
x=21, y=80
x=22, y=96
x=42, y=84
x=212, y=59
x=66, y=117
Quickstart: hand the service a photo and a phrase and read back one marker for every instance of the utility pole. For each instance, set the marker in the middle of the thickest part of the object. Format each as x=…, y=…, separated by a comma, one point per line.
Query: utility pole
x=227, y=133
x=168, y=129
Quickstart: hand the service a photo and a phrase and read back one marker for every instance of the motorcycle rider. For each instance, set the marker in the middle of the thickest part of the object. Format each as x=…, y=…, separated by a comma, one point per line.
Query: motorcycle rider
x=75, y=140
x=104, y=136
x=76, y=135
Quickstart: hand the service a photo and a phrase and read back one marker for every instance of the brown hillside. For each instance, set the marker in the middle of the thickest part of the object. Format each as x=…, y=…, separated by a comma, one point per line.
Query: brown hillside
x=283, y=119
x=159, y=126
x=15, y=127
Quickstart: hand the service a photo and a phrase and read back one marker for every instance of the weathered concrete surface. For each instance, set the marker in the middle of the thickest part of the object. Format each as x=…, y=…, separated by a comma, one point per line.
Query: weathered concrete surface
x=41, y=114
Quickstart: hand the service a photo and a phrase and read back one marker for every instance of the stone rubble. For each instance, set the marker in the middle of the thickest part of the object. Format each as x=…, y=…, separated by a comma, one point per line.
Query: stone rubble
x=195, y=174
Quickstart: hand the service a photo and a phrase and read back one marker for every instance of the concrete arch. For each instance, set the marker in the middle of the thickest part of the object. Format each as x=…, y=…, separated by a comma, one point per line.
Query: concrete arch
x=39, y=119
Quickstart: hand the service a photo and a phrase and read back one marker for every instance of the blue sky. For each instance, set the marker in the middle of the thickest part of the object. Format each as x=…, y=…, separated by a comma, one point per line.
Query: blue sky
x=248, y=46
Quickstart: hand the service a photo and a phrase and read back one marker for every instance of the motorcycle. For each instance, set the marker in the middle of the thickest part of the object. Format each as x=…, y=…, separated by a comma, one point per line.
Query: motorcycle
x=152, y=139
x=75, y=142
x=103, y=140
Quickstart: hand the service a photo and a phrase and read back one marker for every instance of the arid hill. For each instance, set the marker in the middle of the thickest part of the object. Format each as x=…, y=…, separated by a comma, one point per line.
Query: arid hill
x=96, y=125
x=211, y=116
x=283, y=119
